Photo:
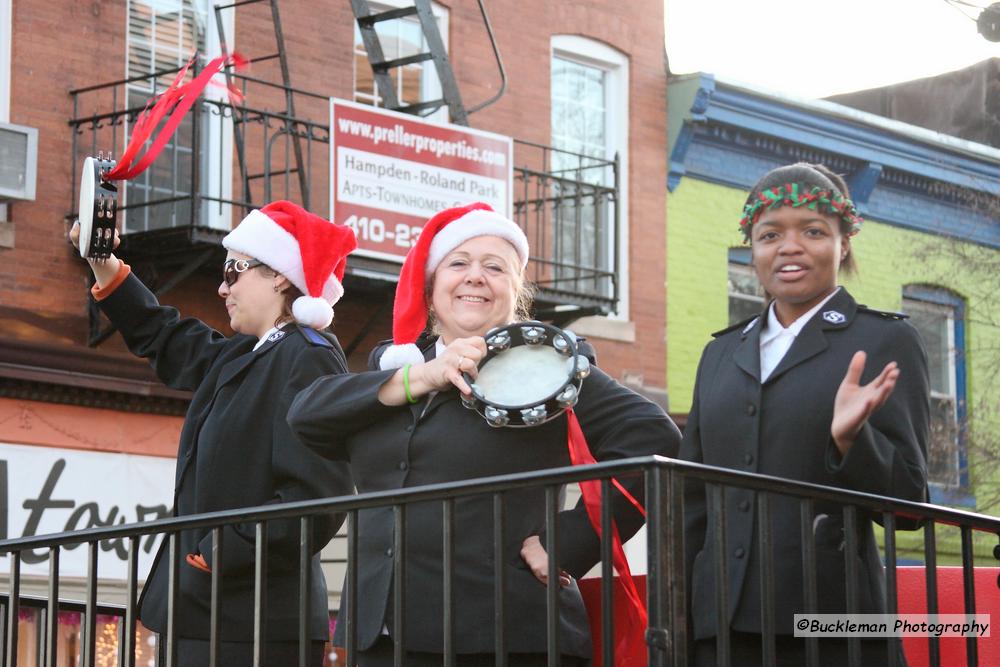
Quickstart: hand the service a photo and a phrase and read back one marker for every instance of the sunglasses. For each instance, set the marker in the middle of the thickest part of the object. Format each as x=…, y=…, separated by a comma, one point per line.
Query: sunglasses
x=232, y=269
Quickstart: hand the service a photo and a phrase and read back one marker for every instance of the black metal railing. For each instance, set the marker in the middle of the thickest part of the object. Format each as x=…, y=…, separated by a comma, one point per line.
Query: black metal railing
x=667, y=634
x=568, y=203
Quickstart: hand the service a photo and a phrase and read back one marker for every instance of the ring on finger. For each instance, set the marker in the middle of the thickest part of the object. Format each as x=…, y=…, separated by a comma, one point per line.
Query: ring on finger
x=461, y=360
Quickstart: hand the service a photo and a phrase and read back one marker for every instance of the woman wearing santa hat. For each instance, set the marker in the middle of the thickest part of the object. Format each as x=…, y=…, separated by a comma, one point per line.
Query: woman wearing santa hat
x=281, y=277
x=404, y=425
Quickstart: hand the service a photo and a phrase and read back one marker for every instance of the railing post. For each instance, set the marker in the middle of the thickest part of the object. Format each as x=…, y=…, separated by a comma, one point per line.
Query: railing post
x=350, y=589
x=552, y=586
x=607, y=577
x=173, y=574
x=131, y=612
x=930, y=574
x=661, y=565
x=499, y=582
x=215, y=601
x=766, y=577
x=448, y=569
x=969, y=586
x=305, y=586
x=260, y=596
x=13, y=610
x=89, y=648
x=399, y=585
x=717, y=499
x=52, y=611
x=891, y=601
x=806, y=514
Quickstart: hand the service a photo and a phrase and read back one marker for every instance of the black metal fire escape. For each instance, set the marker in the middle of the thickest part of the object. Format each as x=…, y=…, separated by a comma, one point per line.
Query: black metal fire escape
x=436, y=52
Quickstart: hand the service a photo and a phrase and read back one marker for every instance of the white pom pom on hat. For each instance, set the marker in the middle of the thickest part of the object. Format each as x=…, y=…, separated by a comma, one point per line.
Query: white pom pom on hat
x=305, y=248
x=443, y=233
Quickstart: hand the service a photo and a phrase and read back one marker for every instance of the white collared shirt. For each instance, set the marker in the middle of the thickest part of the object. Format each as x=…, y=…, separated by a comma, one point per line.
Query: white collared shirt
x=775, y=340
x=263, y=339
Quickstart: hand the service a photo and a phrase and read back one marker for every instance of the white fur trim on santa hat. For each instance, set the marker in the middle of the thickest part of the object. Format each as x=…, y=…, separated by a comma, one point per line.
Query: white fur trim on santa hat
x=312, y=312
x=472, y=224
x=260, y=237
x=397, y=356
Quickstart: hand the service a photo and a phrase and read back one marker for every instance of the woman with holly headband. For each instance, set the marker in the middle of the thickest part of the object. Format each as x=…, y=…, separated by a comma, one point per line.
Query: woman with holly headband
x=767, y=400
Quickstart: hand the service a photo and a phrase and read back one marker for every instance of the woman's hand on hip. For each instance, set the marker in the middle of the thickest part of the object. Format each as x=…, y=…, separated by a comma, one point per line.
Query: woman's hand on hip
x=855, y=402
x=535, y=556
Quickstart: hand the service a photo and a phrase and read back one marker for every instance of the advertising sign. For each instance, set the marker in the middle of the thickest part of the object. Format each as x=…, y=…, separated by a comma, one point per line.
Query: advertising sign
x=50, y=490
x=393, y=171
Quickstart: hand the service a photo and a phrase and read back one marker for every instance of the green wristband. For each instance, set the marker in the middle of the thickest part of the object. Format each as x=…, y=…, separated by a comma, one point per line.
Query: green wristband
x=406, y=384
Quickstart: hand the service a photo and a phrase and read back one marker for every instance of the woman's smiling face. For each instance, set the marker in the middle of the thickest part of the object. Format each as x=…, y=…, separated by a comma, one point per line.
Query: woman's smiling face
x=475, y=287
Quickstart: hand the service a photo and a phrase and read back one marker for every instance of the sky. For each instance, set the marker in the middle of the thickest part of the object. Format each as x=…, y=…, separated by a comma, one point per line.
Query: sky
x=815, y=48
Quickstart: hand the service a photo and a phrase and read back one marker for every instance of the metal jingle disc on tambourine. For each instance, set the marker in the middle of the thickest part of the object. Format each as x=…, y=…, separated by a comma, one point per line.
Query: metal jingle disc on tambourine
x=98, y=209
x=532, y=373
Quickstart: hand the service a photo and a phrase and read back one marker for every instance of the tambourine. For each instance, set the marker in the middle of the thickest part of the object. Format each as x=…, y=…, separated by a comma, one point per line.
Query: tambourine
x=532, y=373
x=98, y=208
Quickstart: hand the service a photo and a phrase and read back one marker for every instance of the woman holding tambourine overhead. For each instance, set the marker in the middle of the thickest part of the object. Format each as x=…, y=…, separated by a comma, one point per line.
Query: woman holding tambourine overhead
x=405, y=425
x=281, y=276
x=816, y=388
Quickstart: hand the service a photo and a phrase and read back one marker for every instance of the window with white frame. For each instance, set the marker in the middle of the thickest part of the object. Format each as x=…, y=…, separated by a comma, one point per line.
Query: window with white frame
x=163, y=35
x=589, y=125
x=938, y=316
x=746, y=296
x=399, y=38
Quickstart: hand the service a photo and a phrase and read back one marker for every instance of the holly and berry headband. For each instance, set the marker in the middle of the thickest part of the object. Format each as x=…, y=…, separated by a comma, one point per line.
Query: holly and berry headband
x=794, y=194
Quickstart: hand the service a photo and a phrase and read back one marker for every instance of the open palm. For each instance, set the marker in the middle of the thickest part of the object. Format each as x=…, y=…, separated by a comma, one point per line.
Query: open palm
x=855, y=402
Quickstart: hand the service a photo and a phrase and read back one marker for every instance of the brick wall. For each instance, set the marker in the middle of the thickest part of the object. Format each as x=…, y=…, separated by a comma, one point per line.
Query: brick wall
x=42, y=285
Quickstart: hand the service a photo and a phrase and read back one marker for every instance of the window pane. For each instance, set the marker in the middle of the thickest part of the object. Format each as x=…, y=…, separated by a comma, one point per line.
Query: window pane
x=933, y=324
x=746, y=296
x=942, y=464
x=163, y=35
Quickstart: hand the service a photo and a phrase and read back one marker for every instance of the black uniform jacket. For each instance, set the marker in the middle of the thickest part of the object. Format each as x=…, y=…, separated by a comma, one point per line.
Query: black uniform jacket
x=439, y=440
x=782, y=428
x=236, y=450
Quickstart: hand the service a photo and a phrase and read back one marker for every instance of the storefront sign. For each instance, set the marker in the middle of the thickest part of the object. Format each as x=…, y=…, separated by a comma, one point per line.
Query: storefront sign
x=393, y=171
x=49, y=490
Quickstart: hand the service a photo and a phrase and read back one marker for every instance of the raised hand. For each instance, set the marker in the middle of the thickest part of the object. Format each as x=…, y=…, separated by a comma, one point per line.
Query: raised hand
x=855, y=403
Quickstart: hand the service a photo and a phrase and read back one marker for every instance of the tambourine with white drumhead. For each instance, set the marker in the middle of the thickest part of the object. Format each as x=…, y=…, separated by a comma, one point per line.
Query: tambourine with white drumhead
x=532, y=372
x=98, y=208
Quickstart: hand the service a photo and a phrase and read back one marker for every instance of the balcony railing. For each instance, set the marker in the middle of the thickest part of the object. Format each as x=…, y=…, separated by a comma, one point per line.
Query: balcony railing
x=566, y=202
x=667, y=633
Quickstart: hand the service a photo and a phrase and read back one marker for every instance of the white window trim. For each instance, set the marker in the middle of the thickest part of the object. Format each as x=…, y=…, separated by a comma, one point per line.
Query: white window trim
x=441, y=13
x=615, y=64
x=217, y=172
x=6, y=32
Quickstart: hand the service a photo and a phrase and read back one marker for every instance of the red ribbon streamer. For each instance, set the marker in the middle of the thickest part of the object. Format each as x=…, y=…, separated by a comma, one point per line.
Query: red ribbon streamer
x=178, y=97
x=633, y=631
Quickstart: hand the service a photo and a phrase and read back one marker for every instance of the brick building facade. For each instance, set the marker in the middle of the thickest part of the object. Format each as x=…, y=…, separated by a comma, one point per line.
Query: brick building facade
x=67, y=383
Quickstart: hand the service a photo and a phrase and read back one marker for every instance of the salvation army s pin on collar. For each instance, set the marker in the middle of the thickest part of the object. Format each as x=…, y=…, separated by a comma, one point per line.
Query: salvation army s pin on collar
x=833, y=317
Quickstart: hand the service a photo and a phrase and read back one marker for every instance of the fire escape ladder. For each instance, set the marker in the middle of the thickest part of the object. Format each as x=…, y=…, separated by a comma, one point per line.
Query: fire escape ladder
x=436, y=52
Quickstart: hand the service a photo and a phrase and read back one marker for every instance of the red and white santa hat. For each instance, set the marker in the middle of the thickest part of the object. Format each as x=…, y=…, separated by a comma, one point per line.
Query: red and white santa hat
x=443, y=233
x=305, y=248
